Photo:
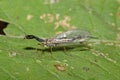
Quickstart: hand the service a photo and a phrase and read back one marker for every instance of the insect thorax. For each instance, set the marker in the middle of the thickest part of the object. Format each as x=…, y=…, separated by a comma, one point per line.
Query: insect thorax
x=56, y=42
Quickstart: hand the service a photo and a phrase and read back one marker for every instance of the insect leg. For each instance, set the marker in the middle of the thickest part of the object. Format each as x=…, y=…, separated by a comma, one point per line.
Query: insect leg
x=42, y=49
x=51, y=50
x=64, y=49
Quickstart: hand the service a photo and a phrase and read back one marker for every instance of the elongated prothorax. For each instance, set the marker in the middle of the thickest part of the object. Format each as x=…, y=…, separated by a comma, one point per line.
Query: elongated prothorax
x=34, y=37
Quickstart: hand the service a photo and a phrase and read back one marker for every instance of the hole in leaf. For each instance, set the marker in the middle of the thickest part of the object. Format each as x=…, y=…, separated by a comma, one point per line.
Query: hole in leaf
x=3, y=25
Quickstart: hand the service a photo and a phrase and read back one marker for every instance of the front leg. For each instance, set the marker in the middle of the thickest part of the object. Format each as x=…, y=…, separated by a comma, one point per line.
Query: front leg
x=64, y=49
x=51, y=50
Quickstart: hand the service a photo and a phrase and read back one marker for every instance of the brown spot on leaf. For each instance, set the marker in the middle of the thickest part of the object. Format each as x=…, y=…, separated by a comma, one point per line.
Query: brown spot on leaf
x=118, y=14
x=29, y=17
x=86, y=69
x=60, y=67
x=57, y=21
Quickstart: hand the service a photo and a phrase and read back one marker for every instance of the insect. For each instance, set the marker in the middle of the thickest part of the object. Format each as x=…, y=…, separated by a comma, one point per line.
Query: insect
x=68, y=38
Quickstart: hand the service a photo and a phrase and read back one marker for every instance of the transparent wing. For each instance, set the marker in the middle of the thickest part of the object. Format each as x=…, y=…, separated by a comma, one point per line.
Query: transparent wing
x=75, y=34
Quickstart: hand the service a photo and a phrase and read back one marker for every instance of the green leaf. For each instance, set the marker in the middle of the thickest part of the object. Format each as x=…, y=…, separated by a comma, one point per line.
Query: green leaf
x=22, y=59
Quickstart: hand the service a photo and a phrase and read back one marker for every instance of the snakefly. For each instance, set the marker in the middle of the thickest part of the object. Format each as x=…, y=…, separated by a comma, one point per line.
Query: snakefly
x=68, y=38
